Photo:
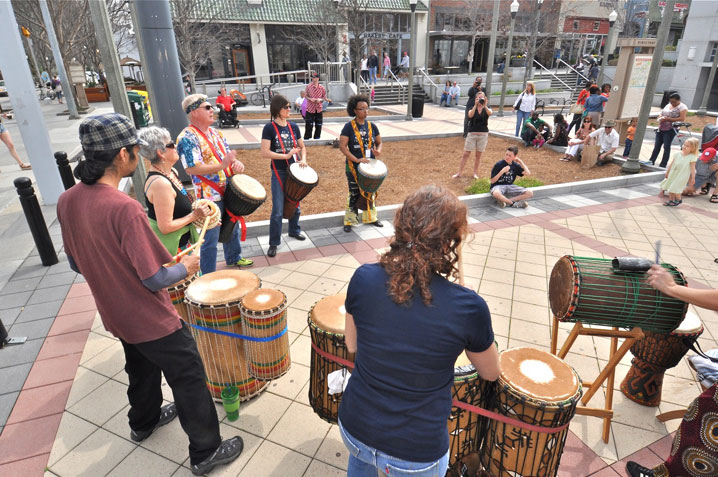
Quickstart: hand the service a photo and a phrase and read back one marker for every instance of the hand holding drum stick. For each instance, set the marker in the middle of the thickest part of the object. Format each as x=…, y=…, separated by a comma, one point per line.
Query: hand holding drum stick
x=196, y=245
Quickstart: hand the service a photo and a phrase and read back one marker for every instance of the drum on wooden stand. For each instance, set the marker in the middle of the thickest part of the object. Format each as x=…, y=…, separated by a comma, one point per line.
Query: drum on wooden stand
x=369, y=178
x=467, y=429
x=300, y=182
x=589, y=290
x=213, y=308
x=242, y=196
x=326, y=326
x=177, y=292
x=539, y=389
x=264, y=317
x=653, y=355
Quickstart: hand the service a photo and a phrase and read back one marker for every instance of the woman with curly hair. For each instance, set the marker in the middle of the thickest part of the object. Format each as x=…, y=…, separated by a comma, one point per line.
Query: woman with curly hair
x=408, y=322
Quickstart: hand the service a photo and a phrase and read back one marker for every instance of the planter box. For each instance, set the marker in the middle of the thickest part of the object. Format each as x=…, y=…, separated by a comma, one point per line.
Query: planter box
x=97, y=95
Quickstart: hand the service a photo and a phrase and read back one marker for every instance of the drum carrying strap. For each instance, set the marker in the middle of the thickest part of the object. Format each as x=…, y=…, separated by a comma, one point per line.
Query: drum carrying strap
x=281, y=143
x=216, y=187
x=460, y=404
x=352, y=168
x=692, y=344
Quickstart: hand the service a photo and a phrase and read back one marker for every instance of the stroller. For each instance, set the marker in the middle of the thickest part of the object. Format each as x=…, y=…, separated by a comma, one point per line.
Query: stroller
x=709, y=137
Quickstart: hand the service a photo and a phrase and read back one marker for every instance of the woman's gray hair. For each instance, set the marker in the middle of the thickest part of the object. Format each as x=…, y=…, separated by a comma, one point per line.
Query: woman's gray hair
x=156, y=139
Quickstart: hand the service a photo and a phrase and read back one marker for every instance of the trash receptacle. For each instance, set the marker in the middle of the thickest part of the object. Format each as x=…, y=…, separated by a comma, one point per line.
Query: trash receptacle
x=667, y=94
x=138, y=105
x=417, y=106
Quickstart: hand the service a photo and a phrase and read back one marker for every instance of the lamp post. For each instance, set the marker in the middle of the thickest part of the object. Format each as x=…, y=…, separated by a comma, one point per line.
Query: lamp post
x=412, y=59
x=611, y=21
x=528, y=69
x=514, y=9
x=709, y=85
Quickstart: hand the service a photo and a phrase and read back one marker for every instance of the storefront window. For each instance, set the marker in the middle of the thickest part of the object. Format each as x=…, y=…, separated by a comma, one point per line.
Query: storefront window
x=459, y=52
x=285, y=54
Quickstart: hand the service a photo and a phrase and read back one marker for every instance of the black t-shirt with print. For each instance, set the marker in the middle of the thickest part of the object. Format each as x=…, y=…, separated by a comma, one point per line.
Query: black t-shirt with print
x=509, y=177
x=353, y=144
x=275, y=146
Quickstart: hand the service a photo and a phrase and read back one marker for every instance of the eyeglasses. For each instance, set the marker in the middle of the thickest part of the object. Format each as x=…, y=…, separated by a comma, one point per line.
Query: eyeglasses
x=207, y=107
x=286, y=107
x=170, y=145
x=587, y=121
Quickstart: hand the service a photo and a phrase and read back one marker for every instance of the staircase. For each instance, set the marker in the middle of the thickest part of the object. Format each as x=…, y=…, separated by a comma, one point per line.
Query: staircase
x=569, y=78
x=393, y=94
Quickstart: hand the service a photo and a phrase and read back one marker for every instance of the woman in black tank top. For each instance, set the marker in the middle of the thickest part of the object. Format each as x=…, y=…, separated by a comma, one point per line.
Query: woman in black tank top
x=168, y=206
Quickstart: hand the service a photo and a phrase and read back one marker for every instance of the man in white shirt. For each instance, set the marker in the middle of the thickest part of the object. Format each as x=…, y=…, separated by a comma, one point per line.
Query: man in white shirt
x=454, y=93
x=607, y=141
x=405, y=65
x=299, y=101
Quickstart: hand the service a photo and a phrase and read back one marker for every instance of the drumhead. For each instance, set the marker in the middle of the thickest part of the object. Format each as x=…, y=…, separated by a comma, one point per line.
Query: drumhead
x=249, y=186
x=222, y=287
x=690, y=325
x=561, y=286
x=329, y=313
x=538, y=375
x=463, y=366
x=263, y=299
x=305, y=175
x=375, y=168
x=184, y=283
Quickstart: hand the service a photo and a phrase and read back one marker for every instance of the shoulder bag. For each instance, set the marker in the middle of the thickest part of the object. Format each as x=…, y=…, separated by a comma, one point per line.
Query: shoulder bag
x=518, y=103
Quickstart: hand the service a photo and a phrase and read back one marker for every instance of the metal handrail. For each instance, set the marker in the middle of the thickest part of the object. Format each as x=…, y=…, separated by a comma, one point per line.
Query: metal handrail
x=549, y=72
x=434, y=86
x=574, y=70
x=243, y=81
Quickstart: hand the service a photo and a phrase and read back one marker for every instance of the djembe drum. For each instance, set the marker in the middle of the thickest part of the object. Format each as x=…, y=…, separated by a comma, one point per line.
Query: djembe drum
x=213, y=306
x=214, y=216
x=326, y=326
x=536, y=388
x=591, y=291
x=653, y=355
x=177, y=292
x=242, y=196
x=300, y=182
x=467, y=429
x=369, y=178
x=264, y=317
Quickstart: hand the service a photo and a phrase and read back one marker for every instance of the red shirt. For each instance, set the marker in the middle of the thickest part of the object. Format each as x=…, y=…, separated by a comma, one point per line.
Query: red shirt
x=582, y=97
x=317, y=91
x=108, y=236
x=225, y=101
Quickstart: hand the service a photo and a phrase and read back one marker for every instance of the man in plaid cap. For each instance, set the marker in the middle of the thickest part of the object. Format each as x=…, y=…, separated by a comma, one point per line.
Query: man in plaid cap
x=108, y=239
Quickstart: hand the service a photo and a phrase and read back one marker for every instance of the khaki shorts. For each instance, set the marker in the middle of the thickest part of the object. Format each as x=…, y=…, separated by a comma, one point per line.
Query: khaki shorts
x=476, y=142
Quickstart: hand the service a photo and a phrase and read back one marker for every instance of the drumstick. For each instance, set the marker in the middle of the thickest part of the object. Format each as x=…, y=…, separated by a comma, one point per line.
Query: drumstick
x=658, y=252
x=194, y=246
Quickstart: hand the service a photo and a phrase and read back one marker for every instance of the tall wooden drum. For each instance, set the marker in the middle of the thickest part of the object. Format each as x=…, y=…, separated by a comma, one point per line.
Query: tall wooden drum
x=264, y=317
x=213, y=306
x=177, y=292
x=537, y=388
x=326, y=325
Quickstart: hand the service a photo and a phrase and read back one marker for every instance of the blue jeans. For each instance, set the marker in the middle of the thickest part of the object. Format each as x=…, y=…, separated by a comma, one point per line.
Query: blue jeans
x=208, y=251
x=663, y=138
x=444, y=98
x=627, y=149
x=521, y=117
x=275, y=220
x=365, y=461
x=372, y=74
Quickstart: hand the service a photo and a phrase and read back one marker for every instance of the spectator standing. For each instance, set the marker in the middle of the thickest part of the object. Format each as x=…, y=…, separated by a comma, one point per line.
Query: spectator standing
x=478, y=133
x=560, y=132
x=405, y=65
x=524, y=105
x=594, y=104
x=107, y=239
x=681, y=172
x=445, y=94
x=315, y=94
x=535, y=130
x=373, y=64
x=454, y=93
x=675, y=111
x=606, y=90
x=607, y=139
x=386, y=73
x=475, y=88
x=503, y=175
x=593, y=71
x=581, y=101
x=7, y=140
x=206, y=156
x=579, y=69
x=630, y=134
x=365, y=68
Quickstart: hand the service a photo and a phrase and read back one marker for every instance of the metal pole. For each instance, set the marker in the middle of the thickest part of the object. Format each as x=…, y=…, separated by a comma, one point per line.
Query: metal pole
x=492, y=47
x=143, y=59
x=631, y=166
x=507, y=65
x=428, y=38
x=604, y=60
x=412, y=62
x=709, y=85
x=52, y=38
x=36, y=221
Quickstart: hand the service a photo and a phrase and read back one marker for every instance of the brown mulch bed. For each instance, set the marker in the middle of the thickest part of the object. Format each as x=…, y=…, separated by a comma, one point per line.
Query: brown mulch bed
x=413, y=164
x=296, y=116
x=697, y=122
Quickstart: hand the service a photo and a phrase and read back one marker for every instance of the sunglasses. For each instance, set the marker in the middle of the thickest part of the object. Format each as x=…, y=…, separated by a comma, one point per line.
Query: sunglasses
x=588, y=121
x=286, y=107
x=170, y=145
x=208, y=107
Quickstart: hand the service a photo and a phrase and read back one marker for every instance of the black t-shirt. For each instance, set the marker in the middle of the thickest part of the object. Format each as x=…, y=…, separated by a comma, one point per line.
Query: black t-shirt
x=480, y=122
x=353, y=144
x=275, y=146
x=372, y=62
x=509, y=177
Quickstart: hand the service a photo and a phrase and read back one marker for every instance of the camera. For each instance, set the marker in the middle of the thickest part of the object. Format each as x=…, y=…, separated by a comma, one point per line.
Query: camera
x=482, y=101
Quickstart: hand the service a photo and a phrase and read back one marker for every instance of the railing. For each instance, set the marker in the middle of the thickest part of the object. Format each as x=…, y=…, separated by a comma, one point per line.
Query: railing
x=552, y=74
x=585, y=78
x=332, y=71
x=434, y=86
x=253, y=82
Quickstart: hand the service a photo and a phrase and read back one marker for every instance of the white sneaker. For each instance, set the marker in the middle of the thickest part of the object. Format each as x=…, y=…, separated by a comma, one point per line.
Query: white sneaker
x=500, y=204
x=521, y=204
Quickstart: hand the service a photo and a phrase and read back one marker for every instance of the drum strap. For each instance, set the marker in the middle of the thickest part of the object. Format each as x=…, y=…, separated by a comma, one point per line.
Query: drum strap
x=241, y=337
x=284, y=151
x=460, y=404
x=692, y=344
x=369, y=199
x=227, y=172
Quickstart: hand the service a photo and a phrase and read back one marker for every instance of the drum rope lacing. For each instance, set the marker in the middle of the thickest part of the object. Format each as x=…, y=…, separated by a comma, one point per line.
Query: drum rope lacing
x=243, y=337
x=460, y=404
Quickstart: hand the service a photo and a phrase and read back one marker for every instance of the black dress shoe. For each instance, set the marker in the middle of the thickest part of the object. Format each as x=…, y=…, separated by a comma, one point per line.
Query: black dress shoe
x=272, y=251
x=298, y=236
x=347, y=228
x=377, y=224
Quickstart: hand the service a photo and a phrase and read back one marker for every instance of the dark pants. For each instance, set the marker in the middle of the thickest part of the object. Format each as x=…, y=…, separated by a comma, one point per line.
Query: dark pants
x=176, y=356
x=365, y=75
x=576, y=120
x=663, y=138
x=627, y=148
x=229, y=116
x=313, y=120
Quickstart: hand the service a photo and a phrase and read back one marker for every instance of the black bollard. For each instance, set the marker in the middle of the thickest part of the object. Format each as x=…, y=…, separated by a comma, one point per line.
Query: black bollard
x=3, y=335
x=36, y=221
x=63, y=165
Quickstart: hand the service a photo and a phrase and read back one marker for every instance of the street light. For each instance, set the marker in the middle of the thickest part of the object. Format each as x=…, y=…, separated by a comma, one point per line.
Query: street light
x=514, y=9
x=412, y=59
x=604, y=61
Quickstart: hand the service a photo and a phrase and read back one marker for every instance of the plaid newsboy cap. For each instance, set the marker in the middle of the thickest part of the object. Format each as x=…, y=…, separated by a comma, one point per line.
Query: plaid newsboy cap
x=108, y=132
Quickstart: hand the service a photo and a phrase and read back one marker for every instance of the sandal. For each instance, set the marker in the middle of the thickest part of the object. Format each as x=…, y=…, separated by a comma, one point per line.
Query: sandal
x=565, y=159
x=25, y=167
x=704, y=189
x=714, y=199
x=669, y=203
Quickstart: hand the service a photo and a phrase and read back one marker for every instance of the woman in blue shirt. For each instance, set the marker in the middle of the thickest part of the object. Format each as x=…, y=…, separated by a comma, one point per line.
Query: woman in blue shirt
x=408, y=323
x=594, y=104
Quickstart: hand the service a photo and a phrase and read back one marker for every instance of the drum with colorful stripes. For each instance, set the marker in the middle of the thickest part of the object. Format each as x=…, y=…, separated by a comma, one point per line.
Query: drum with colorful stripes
x=177, y=291
x=214, y=314
x=264, y=318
